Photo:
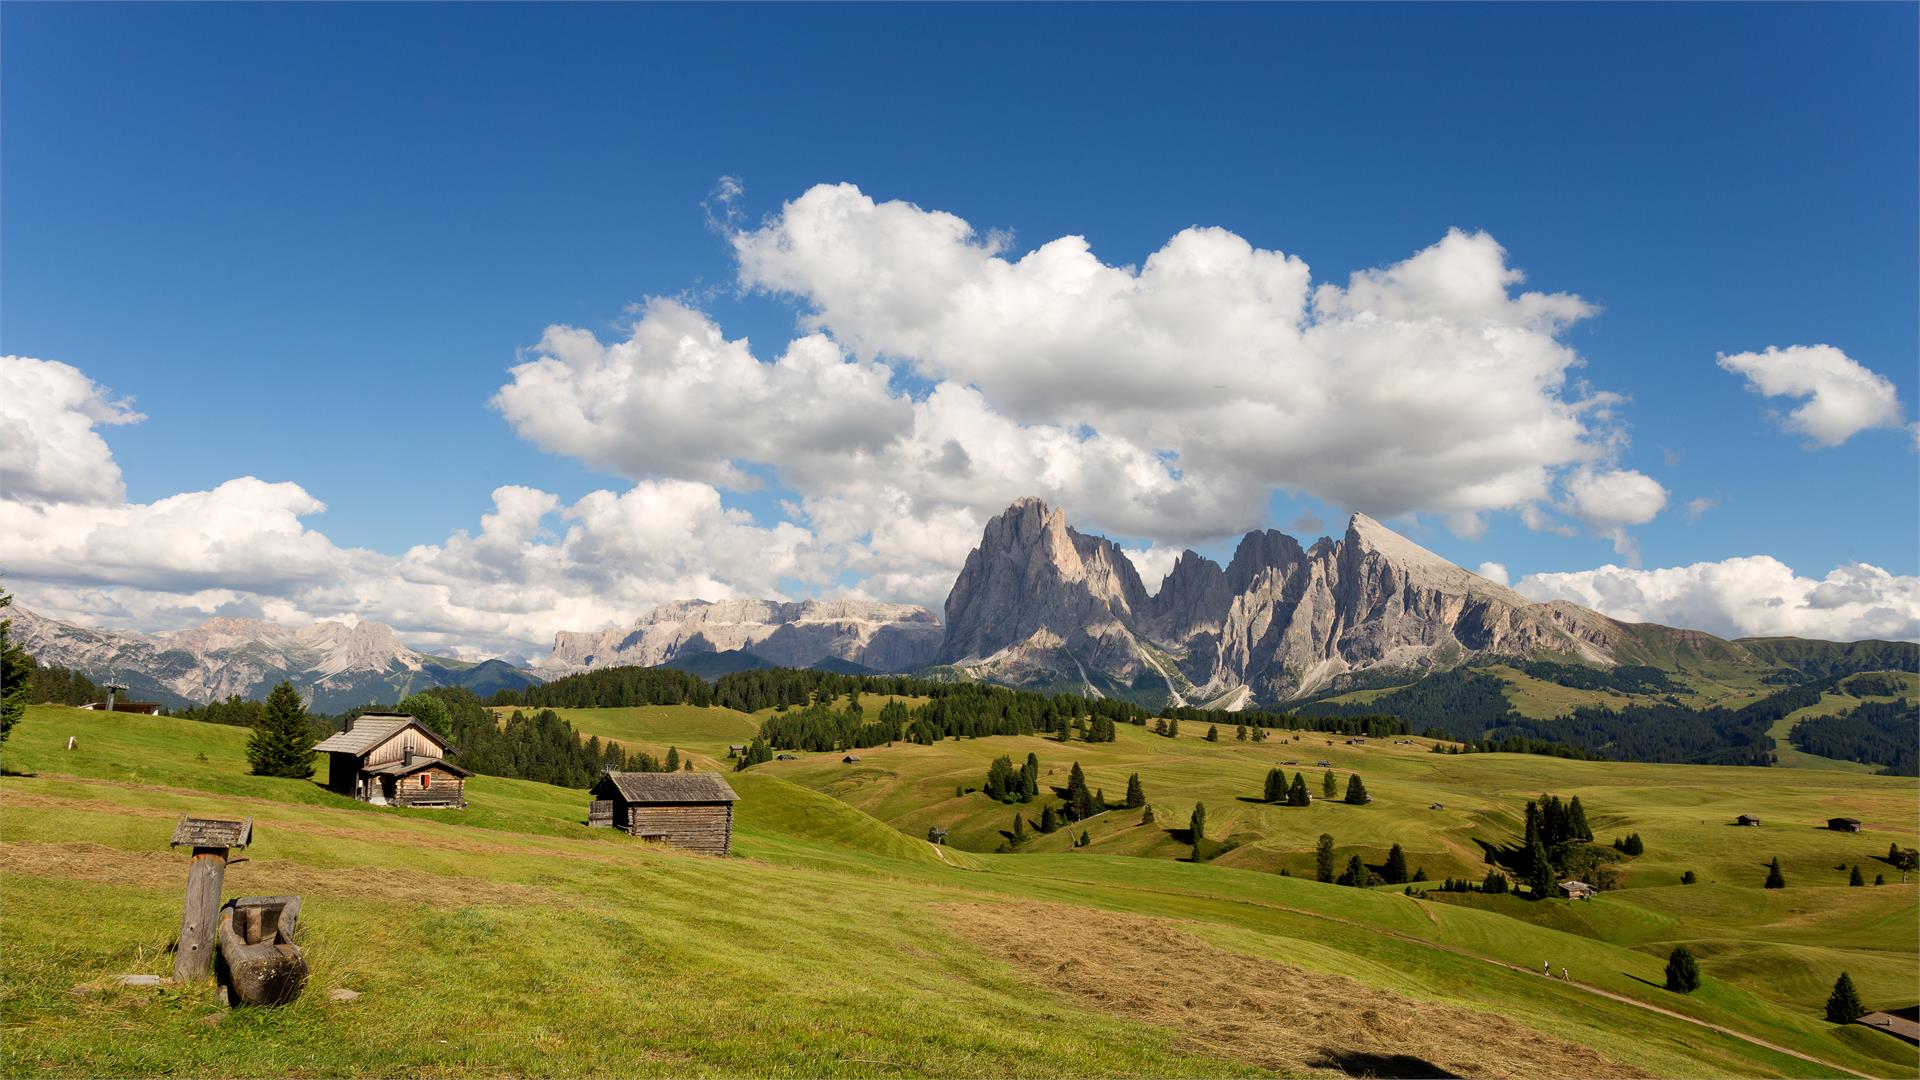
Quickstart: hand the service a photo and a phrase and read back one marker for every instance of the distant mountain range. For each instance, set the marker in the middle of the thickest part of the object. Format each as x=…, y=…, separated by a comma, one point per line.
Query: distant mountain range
x=1037, y=605
x=336, y=665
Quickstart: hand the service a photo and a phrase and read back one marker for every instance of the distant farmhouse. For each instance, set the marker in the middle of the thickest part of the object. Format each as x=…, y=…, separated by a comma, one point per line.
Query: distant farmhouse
x=1746, y=819
x=144, y=708
x=688, y=810
x=390, y=759
x=1844, y=824
x=1577, y=890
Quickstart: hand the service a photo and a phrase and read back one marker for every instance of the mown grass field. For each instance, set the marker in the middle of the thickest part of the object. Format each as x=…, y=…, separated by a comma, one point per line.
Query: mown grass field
x=509, y=939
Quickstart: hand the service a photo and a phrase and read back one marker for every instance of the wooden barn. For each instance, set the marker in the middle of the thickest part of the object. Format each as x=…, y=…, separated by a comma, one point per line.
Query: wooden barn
x=688, y=810
x=1577, y=890
x=390, y=759
x=1746, y=819
x=1844, y=824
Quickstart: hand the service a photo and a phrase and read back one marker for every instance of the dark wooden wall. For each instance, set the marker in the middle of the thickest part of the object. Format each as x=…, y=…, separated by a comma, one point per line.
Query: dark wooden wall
x=447, y=787
x=702, y=827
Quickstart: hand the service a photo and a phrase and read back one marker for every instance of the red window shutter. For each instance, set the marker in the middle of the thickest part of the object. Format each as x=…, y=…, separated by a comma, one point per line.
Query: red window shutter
x=426, y=781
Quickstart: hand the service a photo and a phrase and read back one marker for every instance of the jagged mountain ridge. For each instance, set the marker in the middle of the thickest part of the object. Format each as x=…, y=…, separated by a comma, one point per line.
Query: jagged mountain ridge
x=870, y=634
x=334, y=665
x=1039, y=603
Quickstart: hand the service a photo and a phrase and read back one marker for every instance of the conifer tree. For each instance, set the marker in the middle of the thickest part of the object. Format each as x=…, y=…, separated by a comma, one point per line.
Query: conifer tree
x=1775, y=879
x=1084, y=839
x=1297, y=793
x=1276, y=788
x=282, y=743
x=1855, y=878
x=1683, y=972
x=1323, y=857
x=1019, y=827
x=1356, y=791
x=1688, y=878
x=16, y=674
x=1634, y=846
x=1079, y=798
x=1879, y=879
x=1356, y=874
x=1030, y=778
x=1099, y=800
x=1329, y=787
x=1396, y=869
x=1843, y=1005
x=1198, y=826
x=1240, y=732
x=1049, y=821
x=1213, y=733
x=1146, y=817
x=1136, y=795
x=1533, y=825
x=1539, y=872
x=673, y=759
x=1173, y=727
x=1577, y=828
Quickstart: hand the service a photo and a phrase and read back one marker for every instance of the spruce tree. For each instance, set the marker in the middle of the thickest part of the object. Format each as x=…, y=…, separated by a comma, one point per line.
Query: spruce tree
x=1240, y=732
x=1634, y=845
x=1577, y=828
x=1213, y=733
x=282, y=743
x=1329, y=787
x=1683, y=972
x=1146, y=816
x=1030, y=779
x=1356, y=791
x=1297, y=791
x=16, y=675
x=1843, y=1005
x=1136, y=795
x=1879, y=879
x=1855, y=878
x=1539, y=871
x=1048, y=820
x=673, y=759
x=1019, y=827
x=1173, y=727
x=1198, y=826
x=1084, y=839
x=1079, y=798
x=1323, y=857
x=1276, y=788
x=1688, y=878
x=1396, y=869
x=1775, y=880
x=1356, y=873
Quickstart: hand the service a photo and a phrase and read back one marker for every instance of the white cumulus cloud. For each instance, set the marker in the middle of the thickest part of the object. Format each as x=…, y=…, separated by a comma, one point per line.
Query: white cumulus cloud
x=1843, y=398
x=49, y=450
x=1749, y=596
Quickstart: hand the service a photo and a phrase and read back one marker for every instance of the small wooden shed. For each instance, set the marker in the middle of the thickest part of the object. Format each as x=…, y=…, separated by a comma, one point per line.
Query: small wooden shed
x=1844, y=824
x=1746, y=819
x=391, y=759
x=688, y=810
x=1577, y=890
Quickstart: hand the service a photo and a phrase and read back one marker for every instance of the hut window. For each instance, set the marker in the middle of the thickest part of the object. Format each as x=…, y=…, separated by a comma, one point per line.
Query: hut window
x=426, y=781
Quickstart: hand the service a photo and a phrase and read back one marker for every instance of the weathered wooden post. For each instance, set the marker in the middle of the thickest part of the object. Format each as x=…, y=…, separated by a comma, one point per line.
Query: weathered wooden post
x=211, y=839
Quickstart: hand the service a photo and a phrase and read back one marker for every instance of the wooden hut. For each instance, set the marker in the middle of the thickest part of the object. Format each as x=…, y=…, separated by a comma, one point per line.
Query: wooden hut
x=143, y=708
x=1577, y=890
x=1844, y=824
x=1746, y=819
x=688, y=810
x=390, y=759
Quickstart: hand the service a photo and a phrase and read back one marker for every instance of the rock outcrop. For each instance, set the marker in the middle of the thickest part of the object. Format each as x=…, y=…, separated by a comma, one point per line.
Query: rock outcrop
x=883, y=637
x=1041, y=604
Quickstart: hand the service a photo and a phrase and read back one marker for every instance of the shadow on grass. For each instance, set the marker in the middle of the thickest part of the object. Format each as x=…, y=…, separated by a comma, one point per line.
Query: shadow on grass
x=4, y=771
x=1361, y=1063
x=1649, y=982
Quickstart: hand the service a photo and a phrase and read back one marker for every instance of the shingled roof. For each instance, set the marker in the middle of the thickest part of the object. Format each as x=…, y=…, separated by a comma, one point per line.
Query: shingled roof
x=671, y=787
x=370, y=731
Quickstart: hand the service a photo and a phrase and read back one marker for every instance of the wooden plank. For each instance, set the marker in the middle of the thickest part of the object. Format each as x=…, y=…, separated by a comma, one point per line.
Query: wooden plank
x=212, y=833
x=193, y=954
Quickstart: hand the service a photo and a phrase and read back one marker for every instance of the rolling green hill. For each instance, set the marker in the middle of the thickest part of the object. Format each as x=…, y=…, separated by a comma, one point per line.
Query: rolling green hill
x=510, y=939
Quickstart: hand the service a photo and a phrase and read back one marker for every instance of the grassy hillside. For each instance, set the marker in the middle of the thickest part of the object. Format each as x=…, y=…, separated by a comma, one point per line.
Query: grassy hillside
x=510, y=939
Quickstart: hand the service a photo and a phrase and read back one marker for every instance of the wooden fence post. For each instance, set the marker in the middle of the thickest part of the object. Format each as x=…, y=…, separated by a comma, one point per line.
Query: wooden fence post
x=211, y=839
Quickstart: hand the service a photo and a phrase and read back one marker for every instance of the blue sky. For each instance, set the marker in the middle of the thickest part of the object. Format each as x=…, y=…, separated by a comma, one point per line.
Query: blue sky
x=311, y=241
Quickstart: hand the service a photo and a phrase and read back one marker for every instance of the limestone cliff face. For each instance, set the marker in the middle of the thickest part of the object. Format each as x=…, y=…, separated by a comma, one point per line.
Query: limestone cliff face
x=1039, y=603
x=885, y=637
